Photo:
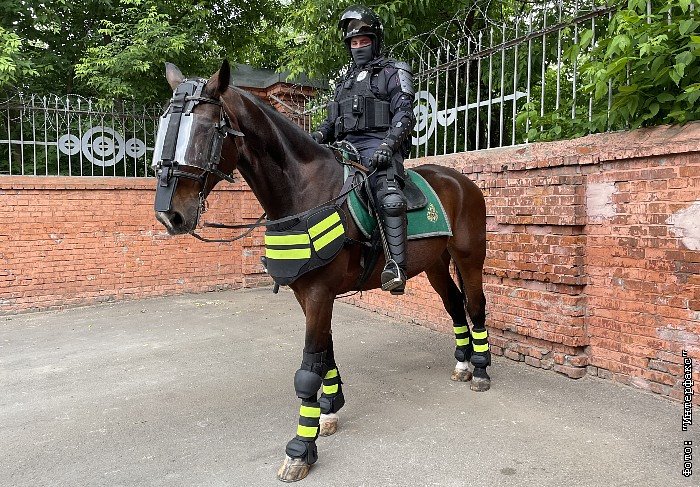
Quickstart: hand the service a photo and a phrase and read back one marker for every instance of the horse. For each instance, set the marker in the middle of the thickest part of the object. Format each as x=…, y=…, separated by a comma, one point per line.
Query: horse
x=230, y=129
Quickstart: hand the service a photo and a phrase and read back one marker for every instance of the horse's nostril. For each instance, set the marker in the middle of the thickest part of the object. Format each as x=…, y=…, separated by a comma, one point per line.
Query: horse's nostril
x=177, y=220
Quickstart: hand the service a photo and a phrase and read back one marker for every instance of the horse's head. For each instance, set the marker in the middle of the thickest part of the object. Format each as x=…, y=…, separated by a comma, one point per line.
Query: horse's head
x=188, y=149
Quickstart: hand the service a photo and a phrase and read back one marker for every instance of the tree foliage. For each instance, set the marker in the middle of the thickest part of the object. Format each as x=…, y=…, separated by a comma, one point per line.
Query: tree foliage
x=13, y=64
x=650, y=63
x=116, y=48
x=315, y=45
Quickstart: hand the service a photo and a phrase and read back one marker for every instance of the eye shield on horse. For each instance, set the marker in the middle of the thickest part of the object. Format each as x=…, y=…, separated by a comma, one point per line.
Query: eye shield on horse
x=186, y=139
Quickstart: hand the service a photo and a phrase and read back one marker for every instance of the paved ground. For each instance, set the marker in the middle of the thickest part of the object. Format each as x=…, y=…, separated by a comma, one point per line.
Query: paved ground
x=197, y=391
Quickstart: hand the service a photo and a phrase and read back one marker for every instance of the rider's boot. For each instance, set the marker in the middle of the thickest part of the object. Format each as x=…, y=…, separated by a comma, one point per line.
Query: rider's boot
x=393, y=220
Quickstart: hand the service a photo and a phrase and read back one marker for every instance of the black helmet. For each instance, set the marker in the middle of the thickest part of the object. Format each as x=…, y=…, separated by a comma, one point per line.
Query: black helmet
x=361, y=21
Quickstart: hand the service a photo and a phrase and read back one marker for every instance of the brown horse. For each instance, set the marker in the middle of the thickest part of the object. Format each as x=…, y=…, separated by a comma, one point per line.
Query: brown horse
x=289, y=173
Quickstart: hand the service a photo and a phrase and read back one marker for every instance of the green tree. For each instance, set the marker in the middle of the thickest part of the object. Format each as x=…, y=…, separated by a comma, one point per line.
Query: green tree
x=53, y=37
x=116, y=48
x=13, y=65
x=649, y=62
x=196, y=37
x=653, y=63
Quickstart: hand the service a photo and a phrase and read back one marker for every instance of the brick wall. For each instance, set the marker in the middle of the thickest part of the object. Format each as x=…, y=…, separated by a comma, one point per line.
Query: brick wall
x=67, y=241
x=593, y=263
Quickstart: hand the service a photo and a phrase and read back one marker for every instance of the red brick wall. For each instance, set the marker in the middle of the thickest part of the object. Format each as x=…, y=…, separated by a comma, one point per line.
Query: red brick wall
x=67, y=241
x=593, y=262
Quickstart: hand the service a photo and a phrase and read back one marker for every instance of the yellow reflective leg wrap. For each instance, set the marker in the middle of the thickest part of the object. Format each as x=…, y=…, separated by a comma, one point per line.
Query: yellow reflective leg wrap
x=309, y=415
x=480, y=340
x=461, y=335
x=331, y=382
x=332, y=398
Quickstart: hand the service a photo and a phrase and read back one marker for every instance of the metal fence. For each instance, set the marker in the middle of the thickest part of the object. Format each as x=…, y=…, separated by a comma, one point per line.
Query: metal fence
x=73, y=136
x=483, y=79
x=477, y=89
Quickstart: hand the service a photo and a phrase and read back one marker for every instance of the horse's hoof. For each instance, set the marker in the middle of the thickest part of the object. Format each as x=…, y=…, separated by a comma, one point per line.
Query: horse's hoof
x=293, y=469
x=461, y=375
x=480, y=384
x=328, y=424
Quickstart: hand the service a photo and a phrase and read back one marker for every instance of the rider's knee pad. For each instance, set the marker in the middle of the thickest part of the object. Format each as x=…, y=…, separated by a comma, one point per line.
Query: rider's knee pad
x=391, y=198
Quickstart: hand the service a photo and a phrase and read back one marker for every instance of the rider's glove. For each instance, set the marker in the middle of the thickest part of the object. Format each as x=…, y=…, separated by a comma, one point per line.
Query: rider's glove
x=317, y=136
x=381, y=159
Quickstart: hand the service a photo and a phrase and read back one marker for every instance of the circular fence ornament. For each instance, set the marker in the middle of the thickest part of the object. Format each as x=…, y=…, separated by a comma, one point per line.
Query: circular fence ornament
x=135, y=148
x=69, y=144
x=103, y=146
x=425, y=110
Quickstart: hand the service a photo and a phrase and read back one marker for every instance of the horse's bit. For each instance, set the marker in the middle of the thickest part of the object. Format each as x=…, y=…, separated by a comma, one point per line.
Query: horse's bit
x=175, y=130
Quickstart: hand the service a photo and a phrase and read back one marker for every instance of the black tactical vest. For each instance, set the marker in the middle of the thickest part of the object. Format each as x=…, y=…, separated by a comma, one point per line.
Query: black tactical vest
x=357, y=108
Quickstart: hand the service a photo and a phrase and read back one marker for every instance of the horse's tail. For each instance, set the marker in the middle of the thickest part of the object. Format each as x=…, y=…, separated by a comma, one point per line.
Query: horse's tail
x=460, y=282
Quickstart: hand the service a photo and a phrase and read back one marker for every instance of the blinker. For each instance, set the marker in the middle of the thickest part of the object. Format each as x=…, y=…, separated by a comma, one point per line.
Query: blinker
x=176, y=144
x=164, y=193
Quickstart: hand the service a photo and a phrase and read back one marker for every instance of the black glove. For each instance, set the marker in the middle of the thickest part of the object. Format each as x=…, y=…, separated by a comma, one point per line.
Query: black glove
x=381, y=159
x=317, y=136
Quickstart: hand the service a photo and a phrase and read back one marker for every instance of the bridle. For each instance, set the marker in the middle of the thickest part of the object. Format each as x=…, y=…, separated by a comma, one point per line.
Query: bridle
x=170, y=149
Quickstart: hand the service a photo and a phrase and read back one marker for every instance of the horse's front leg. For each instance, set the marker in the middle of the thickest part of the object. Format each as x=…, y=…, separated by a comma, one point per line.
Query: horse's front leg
x=317, y=362
x=332, y=398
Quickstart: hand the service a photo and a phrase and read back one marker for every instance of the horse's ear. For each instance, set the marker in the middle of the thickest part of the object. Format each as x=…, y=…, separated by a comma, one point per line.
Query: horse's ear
x=173, y=75
x=224, y=78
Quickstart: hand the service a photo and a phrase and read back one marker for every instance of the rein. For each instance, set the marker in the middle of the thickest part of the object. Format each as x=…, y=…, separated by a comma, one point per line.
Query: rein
x=338, y=200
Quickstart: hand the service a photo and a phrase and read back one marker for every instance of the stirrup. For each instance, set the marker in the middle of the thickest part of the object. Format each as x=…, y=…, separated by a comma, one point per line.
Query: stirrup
x=393, y=280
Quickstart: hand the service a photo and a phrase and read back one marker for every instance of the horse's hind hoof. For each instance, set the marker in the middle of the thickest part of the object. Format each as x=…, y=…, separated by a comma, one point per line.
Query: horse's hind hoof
x=480, y=384
x=293, y=469
x=459, y=375
x=328, y=424
x=481, y=381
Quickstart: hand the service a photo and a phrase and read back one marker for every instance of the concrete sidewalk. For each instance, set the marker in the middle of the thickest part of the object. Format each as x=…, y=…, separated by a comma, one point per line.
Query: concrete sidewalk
x=197, y=390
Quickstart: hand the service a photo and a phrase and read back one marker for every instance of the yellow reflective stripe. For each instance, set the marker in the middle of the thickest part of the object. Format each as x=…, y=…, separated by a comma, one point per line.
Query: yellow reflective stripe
x=310, y=412
x=307, y=431
x=461, y=329
x=299, y=239
x=462, y=341
x=324, y=224
x=331, y=374
x=330, y=390
x=288, y=254
x=481, y=348
x=328, y=238
x=479, y=335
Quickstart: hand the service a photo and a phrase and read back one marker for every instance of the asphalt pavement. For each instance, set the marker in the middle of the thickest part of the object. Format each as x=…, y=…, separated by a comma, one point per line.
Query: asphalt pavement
x=197, y=390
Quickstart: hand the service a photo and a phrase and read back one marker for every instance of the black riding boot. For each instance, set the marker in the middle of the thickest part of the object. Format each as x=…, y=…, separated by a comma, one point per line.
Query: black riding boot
x=392, y=205
x=394, y=273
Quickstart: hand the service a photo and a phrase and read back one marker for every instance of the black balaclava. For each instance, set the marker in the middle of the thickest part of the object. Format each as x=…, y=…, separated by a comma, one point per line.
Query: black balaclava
x=362, y=55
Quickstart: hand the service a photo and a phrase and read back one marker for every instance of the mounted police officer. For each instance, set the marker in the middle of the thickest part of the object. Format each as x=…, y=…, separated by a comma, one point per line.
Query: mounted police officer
x=373, y=110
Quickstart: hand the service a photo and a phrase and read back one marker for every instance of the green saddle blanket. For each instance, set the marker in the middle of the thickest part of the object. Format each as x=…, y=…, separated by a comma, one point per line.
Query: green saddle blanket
x=428, y=221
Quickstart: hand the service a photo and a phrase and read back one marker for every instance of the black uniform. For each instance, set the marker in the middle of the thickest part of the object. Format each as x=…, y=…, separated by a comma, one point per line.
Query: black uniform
x=373, y=104
x=373, y=107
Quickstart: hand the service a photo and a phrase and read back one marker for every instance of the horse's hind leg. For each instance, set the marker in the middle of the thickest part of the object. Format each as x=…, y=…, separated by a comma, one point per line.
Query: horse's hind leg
x=453, y=300
x=471, y=273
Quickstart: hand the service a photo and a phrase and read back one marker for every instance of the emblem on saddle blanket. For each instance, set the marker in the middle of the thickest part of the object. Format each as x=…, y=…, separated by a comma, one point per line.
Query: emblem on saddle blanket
x=312, y=242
